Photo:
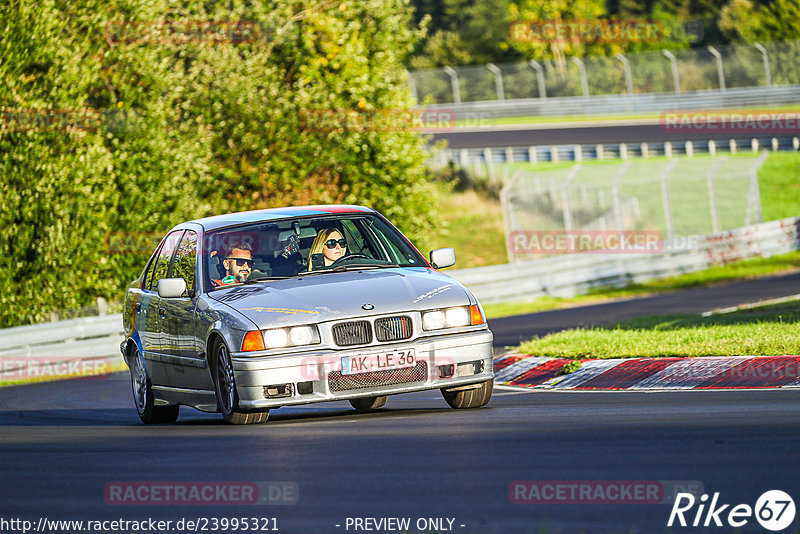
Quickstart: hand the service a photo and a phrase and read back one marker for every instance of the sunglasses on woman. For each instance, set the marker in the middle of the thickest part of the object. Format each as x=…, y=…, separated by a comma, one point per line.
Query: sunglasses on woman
x=331, y=243
x=242, y=261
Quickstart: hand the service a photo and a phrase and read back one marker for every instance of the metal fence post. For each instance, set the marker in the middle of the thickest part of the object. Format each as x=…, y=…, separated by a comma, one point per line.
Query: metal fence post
x=628, y=78
x=764, y=55
x=755, y=195
x=489, y=157
x=508, y=216
x=584, y=81
x=712, y=196
x=498, y=81
x=720, y=69
x=676, y=79
x=450, y=71
x=669, y=223
x=616, y=196
x=539, y=77
x=567, y=210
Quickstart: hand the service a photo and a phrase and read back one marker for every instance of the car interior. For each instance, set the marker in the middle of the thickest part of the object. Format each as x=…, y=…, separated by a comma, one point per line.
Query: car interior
x=283, y=249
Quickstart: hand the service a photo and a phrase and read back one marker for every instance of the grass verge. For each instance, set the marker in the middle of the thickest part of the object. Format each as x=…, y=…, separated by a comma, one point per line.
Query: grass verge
x=473, y=226
x=763, y=331
x=741, y=270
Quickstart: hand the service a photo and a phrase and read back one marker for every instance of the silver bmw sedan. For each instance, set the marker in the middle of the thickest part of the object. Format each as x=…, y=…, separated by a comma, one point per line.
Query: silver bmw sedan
x=248, y=312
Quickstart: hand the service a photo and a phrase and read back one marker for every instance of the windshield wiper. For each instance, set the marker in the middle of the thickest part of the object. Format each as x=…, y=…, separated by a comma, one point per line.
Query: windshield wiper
x=359, y=267
x=265, y=279
x=252, y=281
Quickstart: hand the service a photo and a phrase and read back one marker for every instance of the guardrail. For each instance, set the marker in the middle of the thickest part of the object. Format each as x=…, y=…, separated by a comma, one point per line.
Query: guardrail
x=478, y=112
x=60, y=349
x=569, y=275
x=482, y=160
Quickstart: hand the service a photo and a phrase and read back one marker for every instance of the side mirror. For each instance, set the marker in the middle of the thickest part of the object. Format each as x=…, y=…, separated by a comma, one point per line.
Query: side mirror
x=443, y=257
x=170, y=288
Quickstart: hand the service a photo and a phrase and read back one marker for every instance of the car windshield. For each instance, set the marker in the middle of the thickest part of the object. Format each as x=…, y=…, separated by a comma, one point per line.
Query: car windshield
x=304, y=246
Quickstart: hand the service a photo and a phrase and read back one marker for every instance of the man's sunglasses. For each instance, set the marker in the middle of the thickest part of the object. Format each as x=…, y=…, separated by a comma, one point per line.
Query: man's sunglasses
x=242, y=261
x=331, y=243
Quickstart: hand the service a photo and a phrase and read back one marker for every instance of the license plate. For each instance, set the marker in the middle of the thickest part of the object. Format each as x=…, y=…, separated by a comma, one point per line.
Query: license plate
x=382, y=361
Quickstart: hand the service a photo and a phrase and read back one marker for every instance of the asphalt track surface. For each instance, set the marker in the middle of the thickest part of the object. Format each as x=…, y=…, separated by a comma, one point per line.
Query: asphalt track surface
x=62, y=443
x=511, y=331
x=503, y=136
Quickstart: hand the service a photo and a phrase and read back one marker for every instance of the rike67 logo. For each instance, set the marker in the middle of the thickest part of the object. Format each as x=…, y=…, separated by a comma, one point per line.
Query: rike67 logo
x=774, y=510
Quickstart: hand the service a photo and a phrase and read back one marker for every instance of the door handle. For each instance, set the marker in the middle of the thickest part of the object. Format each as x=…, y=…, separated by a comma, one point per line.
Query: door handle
x=138, y=306
x=162, y=312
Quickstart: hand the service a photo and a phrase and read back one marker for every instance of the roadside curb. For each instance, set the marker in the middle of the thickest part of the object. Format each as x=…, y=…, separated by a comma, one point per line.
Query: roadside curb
x=718, y=372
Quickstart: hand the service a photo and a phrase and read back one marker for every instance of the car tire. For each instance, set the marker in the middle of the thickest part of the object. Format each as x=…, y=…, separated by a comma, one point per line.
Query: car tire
x=469, y=398
x=143, y=394
x=225, y=388
x=368, y=403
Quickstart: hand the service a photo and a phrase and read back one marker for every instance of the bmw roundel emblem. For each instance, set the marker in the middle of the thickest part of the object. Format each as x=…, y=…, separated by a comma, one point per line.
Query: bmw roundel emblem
x=367, y=307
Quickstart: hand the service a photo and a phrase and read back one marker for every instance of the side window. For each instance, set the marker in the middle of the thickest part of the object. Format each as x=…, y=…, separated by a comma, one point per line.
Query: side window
x=358, y=243
x=151, y=265
x=397, y=247
x=185, y=259
x=164, y=256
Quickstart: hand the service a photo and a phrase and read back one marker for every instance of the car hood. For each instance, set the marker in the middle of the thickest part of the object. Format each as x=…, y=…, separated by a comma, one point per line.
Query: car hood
x=332, y=296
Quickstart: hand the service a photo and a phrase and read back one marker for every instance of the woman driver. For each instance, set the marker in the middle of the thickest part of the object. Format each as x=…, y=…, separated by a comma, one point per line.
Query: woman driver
x=330, y=243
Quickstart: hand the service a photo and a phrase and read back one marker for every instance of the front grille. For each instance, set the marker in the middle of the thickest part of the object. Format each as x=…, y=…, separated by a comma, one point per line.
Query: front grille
x=393, y=328
x=339, y=382
x=355, y=333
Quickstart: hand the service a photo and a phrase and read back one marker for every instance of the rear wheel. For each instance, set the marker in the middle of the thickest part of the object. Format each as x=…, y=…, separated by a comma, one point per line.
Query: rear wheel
x=143, y=394
x=225, y=387
x=469, y=398
x=368, y=403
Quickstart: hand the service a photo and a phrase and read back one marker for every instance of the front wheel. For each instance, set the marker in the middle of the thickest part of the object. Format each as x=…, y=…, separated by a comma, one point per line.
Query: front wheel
x=469, y=398
x=143, y=394
x=368, y=403
x=225, y=387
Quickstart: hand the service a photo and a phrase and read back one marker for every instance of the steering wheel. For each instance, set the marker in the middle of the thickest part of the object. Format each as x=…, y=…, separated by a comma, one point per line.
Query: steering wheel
x=348, y=257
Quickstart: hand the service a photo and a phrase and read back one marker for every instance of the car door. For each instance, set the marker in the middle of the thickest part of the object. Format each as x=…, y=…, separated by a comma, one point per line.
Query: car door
x=153, y=338
x=185, y=367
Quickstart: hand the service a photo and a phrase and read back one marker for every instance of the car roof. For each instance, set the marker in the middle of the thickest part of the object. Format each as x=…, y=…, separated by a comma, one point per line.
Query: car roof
x=244, y=217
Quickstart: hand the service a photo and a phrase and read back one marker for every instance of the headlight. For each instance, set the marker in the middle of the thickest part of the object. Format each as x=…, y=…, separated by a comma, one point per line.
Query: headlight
x=301, y=335
x=433, y=320
x=276, y=338
x=457, y=316
x=452, y=317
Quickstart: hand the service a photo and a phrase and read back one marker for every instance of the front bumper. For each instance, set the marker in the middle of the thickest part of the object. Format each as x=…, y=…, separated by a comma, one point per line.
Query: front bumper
x=306, y=377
